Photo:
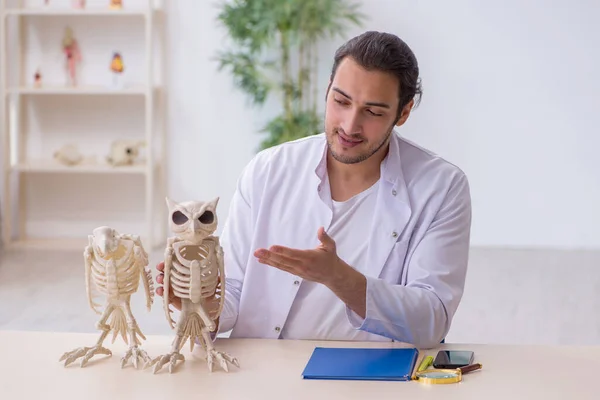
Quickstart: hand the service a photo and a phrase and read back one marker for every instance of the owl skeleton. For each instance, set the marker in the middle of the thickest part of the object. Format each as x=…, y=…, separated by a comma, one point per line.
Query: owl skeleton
x=114, y=264
x=194, y=272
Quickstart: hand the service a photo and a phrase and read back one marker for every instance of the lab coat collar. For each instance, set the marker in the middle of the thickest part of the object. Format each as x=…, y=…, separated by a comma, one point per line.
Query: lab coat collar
x=392, y=213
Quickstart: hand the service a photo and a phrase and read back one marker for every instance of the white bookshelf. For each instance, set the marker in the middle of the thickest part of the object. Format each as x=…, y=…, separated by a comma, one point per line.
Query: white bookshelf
x=35, y=121
x=83, y=90
x=88, y=11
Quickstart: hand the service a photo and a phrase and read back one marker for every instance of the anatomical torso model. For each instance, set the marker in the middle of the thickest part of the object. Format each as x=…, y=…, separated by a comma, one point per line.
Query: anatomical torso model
x=114, y=264
x=72, y=54
x=194, y=272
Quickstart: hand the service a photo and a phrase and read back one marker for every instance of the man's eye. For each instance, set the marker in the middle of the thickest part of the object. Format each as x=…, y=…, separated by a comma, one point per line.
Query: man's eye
x=375, y=114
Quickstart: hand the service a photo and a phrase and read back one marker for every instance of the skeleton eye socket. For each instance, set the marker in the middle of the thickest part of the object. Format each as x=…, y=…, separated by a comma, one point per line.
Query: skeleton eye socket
x=207, y=217
x=178, y=218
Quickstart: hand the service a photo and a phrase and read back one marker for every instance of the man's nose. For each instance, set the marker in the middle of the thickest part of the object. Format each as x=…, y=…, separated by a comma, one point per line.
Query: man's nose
x=352, y=122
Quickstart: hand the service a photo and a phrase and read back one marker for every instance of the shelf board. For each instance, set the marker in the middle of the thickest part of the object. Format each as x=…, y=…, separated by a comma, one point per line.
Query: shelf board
x=79, y=90
x=90, y=11
x=96, y=168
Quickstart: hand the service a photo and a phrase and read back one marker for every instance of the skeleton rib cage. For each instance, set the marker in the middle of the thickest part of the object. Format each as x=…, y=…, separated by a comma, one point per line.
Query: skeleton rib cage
x=195, y=273
x=120, y=274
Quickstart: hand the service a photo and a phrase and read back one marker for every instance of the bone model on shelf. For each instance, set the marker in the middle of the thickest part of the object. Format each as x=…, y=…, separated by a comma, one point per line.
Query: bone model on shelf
x=194, y=272
x=68, y=155
x=114, y=264
x=124, y=152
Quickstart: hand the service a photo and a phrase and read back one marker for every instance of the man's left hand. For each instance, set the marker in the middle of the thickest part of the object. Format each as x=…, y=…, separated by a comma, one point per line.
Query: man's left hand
x=321, y=264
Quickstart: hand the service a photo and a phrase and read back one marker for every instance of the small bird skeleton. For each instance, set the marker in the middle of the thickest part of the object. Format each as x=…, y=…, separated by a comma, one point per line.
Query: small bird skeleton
x=194, y=272
x=115, y=263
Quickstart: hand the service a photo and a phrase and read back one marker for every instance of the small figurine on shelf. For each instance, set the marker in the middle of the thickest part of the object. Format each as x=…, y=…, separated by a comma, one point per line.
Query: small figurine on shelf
x=68, y=155
x=73, y=54
x=116, y=4
x=78, y=4
x=37, y=79
x=117, y=67
x=125, y=152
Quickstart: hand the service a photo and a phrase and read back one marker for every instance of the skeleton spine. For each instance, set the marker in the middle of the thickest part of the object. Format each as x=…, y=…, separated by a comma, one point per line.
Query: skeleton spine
x=112, y=282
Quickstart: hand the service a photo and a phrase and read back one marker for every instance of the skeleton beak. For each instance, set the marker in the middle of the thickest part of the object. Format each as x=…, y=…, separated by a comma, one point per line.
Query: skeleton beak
x=196, y=225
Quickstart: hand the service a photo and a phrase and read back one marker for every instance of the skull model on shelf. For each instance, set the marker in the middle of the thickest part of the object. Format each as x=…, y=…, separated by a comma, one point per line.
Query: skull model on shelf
x=124, y=152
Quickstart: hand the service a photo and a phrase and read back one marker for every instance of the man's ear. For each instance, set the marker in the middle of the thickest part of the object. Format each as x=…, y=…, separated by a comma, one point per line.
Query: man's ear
x=405, y=113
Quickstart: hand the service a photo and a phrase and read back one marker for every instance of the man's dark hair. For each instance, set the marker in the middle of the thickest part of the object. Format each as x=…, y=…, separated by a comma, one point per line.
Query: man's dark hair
x=387, y=53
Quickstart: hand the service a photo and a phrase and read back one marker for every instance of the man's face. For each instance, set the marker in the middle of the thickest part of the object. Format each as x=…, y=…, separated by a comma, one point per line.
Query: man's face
x=361, y=111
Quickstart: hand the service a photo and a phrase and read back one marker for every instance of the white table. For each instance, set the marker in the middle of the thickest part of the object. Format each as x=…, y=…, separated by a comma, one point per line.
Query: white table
x=271, y=369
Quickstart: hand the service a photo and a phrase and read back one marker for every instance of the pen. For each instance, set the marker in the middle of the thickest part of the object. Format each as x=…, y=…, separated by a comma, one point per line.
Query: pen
x=425, y=363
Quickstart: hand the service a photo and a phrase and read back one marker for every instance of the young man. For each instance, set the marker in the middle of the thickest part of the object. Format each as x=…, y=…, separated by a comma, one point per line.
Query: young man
x=354, y=234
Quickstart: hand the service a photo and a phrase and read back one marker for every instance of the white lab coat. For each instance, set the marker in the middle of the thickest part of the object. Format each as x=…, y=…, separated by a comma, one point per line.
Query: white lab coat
x=418, y=251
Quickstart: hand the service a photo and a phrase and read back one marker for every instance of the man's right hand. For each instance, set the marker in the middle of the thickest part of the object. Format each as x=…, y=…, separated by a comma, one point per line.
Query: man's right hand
x=175, y=301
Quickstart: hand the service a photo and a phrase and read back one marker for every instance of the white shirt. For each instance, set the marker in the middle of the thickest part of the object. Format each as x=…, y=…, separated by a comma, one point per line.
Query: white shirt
x=414, y=257
x=315, y=301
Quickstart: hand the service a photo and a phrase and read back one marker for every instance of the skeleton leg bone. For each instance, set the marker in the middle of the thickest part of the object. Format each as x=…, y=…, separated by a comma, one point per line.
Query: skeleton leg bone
x=135, y=352
x=208, y=322
x=88, y=352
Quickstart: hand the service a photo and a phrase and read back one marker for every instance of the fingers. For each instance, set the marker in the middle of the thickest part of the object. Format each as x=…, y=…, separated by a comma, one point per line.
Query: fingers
x=325, y=239
x=294, y=254
x=175, y=301
x=276, y=260
x=276, y=265
x=160, y=279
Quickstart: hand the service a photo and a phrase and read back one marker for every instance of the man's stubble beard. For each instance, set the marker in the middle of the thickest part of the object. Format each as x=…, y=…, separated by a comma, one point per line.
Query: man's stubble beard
x=361, y=157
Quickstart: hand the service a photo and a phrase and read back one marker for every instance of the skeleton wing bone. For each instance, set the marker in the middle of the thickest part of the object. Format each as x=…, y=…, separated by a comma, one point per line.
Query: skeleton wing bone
x=166, y=281
x=88, y=254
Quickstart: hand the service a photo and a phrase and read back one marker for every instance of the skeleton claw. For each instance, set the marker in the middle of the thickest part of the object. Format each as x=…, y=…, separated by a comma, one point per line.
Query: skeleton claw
x=170, y=358
x=223, y=358
x=136, y=354
x=86, y=352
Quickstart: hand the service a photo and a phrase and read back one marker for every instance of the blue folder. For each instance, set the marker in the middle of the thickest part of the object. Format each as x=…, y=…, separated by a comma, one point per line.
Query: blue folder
x=395, y=364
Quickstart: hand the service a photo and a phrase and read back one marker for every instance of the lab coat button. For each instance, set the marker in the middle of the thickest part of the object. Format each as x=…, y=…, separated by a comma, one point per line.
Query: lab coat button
x=394, y=234
x=296, y=282
x=277, y=329
x=394, y=192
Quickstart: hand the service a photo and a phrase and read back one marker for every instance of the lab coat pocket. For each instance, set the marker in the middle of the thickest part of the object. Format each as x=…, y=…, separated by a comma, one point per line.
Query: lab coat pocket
x=394, y=266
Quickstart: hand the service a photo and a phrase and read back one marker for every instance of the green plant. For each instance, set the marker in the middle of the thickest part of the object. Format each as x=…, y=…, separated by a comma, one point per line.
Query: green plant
x=275, y=50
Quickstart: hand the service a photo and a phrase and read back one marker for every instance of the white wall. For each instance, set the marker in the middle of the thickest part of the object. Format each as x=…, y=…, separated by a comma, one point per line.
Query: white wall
x=511, y=94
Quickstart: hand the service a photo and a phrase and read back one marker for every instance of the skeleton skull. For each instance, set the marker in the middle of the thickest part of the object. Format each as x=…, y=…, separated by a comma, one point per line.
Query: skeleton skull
x=106, y=238
x=191, y=220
